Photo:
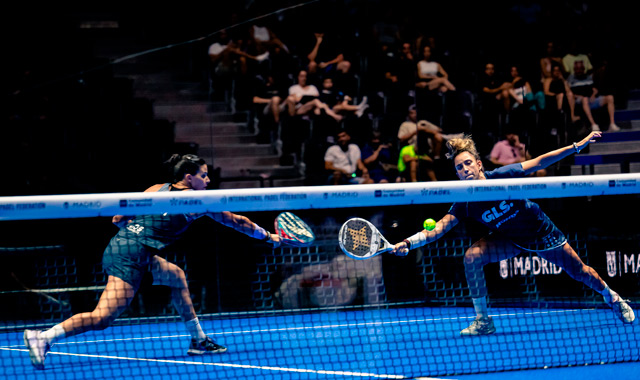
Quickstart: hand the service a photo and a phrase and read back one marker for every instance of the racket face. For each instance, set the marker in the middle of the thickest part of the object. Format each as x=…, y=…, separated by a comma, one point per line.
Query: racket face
x=359, y=239
x=293, y=230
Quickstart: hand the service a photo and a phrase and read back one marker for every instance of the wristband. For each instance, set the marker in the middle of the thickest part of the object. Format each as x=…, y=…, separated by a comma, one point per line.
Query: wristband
x=575, y=147
x=261, y=234
x=417, y=240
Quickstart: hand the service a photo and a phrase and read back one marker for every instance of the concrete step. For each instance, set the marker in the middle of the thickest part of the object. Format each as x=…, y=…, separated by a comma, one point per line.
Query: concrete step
x=265, y=171
x=216, y=141
x=615, y=147
x=186, y=130
x=256, y=151
x=252, y=184
x=242, y=162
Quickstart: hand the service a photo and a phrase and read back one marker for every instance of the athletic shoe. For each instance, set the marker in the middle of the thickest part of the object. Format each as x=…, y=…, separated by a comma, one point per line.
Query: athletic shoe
x=613, y=128
x=207, y=346
x=595, y=127
x=623, y=311
x=481, y=326
x=38, y=347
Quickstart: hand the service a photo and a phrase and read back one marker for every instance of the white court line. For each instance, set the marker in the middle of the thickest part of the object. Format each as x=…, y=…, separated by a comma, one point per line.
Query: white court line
x=243, y=366
x=301, y=328
x=281, y=369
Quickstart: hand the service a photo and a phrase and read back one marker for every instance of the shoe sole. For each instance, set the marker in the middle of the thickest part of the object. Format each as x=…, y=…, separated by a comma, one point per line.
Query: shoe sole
x=193, y=352
x=32, y=355
x=477, y=334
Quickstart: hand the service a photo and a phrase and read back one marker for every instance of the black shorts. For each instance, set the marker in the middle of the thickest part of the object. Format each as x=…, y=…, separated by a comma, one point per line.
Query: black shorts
x=127, y=259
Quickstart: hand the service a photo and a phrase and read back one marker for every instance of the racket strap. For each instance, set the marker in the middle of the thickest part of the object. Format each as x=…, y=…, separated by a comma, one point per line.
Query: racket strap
x=416, y=241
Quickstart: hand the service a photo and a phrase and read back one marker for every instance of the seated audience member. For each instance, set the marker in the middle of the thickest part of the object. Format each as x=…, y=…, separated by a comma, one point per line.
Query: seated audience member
x=557, y=89
x=343, y=160
x=339, y=101
x=379, y=159
x=588, y=96
x=523, y=94
x=511, y=151
x=494, y=91
x=304, y=99
x=414, y=163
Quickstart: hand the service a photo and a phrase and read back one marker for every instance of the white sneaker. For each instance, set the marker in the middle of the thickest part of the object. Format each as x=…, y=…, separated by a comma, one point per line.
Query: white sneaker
x=38, y=347
x=594, y=127
x=360, y=110
x=613, y=128
x=623, y=311
x=480, y=326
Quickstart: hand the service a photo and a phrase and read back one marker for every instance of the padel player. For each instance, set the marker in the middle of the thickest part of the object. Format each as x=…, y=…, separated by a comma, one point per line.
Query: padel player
x=134, y=251
x=515, y=225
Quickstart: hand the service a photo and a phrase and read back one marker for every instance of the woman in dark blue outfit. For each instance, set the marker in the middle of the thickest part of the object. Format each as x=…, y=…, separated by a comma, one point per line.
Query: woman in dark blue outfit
x=134, y=251
x=515, y=225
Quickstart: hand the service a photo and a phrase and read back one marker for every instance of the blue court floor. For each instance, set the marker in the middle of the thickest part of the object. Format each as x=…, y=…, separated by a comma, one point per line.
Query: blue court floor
x=406, y=343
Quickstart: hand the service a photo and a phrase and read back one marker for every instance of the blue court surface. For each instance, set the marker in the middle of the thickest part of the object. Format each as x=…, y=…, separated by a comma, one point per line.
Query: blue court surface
x=403, y=343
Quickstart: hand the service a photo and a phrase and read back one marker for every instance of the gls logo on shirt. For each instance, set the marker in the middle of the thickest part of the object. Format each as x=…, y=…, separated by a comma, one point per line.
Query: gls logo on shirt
x=493, y=214
x=135, y=228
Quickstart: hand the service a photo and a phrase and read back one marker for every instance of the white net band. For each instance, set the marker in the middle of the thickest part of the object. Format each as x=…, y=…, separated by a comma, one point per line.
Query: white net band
x=302, y=198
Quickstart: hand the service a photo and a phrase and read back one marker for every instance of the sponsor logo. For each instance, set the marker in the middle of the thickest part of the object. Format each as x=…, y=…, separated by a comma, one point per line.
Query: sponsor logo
x=493, y=213
x=622, y=183
x=619, y=264
x=245, y=198
x=23, y=206
x=135, y=203
x=343, y=194
x=185, y=202
x=578, y=185
x=82, y=205
x=389, y=193
x=433, y=192
x=529, y=265
x=489, y=189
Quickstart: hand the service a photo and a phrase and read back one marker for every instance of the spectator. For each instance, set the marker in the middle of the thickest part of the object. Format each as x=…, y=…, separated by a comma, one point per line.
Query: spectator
x=339, y=101
x=268, y=103
x=511, y=151
x=576, y=54
x=399, y=78
x=523, y=94
x=557, y=89
x=303, y=99
x=411, y=128
x=494, y=90
x=415, y=164
x=344, y=160
x=588, y=96
x=431, y=75
x=379, y=159
x=549, y=59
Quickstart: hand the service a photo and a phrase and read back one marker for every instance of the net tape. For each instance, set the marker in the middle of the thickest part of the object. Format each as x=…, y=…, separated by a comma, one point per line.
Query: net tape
x=302, y=198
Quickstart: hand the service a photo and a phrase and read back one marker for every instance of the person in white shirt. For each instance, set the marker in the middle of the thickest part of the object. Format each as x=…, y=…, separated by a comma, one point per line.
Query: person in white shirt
x=343, y=160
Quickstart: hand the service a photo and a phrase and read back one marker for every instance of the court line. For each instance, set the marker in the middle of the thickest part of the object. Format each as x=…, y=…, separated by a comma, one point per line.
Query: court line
x=242, y=366
x=301, y=328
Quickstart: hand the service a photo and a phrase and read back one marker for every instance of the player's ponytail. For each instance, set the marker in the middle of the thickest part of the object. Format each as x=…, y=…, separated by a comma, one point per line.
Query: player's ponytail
x=181, y=165
x=462, y=144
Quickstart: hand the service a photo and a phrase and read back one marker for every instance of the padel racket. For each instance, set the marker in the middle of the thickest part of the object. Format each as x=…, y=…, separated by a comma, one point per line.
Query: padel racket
x=359, y=239
x=293, y=231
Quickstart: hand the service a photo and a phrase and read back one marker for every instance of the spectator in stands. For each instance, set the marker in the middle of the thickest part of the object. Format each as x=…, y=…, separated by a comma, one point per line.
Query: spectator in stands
x=379, y=159
x=343, y=161
x=557, y=90
x=588, y=96
x=494, y=90
x=339, y=101
x=135, y=251
x=304, y=99
x=268, y=97
x=399, y=78
x=576, y=54
x=414, y=162
x=431, y=74
x=550, y=58
x=522, y=93
x=411, y=128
